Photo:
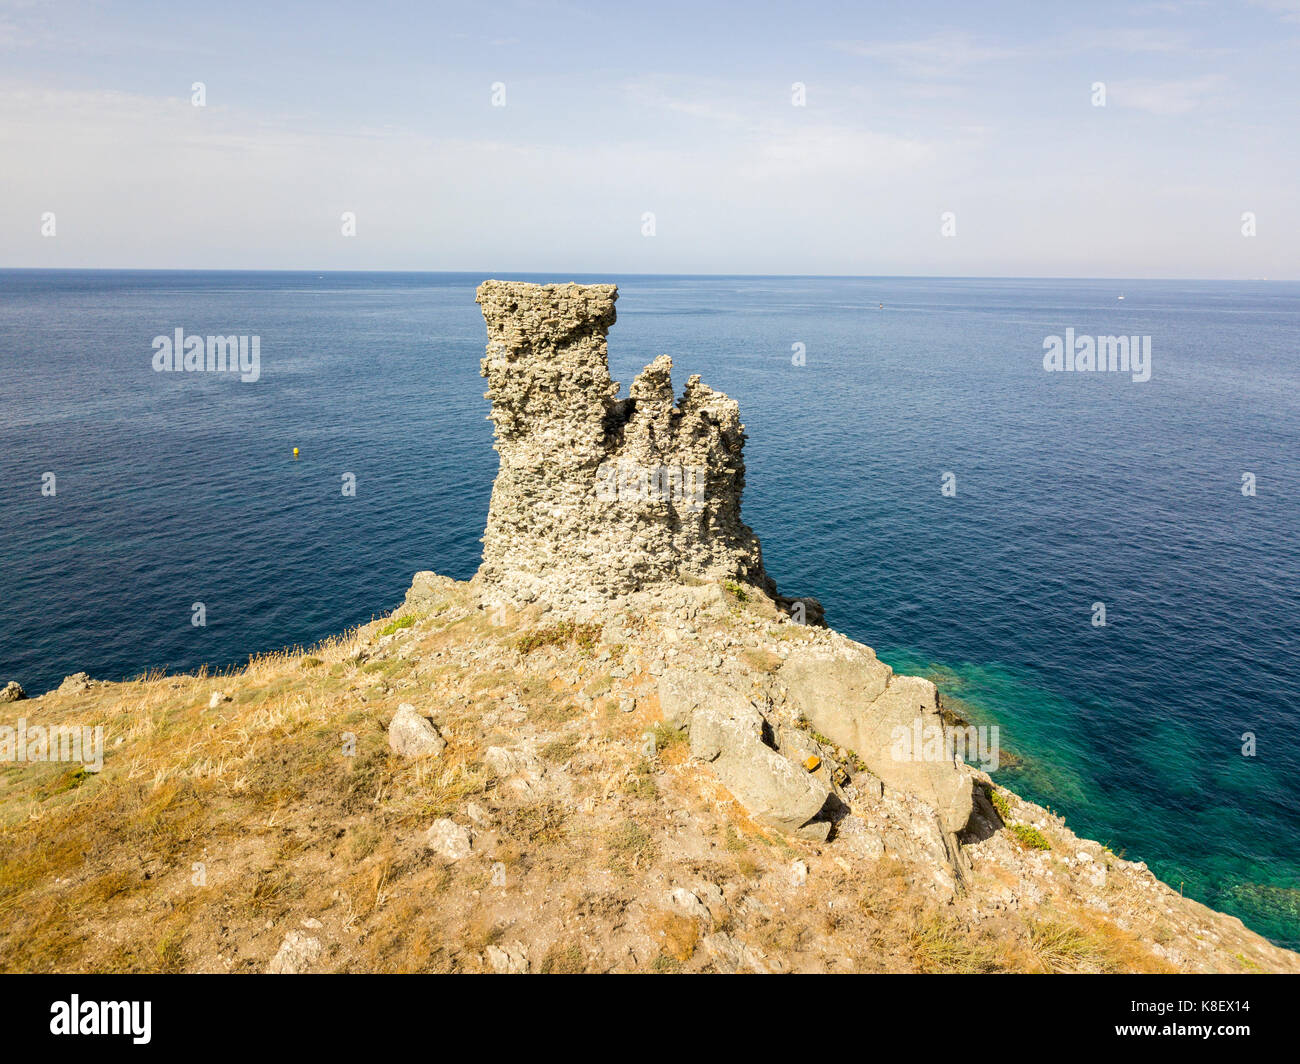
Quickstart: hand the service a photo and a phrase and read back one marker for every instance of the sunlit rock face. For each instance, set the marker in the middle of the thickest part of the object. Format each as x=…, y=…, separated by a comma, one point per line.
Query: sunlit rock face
x=598, y=497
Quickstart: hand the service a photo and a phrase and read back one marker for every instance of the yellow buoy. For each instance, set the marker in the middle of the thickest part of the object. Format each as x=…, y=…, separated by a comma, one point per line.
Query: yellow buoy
x=295, y=452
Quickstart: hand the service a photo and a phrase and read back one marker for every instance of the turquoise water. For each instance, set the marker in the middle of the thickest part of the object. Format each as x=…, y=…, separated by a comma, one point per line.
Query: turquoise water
x=1071, y=489
x=1192, y=840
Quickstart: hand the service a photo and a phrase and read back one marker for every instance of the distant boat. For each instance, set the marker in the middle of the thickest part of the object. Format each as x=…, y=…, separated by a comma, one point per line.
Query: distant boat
x=1119, y=297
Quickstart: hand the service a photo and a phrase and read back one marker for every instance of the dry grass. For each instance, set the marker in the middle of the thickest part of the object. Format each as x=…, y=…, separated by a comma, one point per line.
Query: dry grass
x=539, y=823
x=630, y=847
x=107, y=871
x=559, y=635
x=566, y=959
x=210, y=831
x=940, y=943
x=676, y=935
x=1059, y=946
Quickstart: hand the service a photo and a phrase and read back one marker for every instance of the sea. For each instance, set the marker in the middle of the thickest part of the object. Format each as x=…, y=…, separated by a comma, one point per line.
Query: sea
x=968, y=512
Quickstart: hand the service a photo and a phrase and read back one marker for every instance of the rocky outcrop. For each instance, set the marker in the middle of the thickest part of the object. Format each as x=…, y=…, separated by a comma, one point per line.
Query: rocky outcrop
x=413, y=735
x=77, y=683
x=627, y=512
x=730, y=733
x=599, y=496
x=855, y=699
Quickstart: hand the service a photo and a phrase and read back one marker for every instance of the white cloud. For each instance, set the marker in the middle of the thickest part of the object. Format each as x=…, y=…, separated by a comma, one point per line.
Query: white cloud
x=139, y=181
x=10, y=35
x=739, y=181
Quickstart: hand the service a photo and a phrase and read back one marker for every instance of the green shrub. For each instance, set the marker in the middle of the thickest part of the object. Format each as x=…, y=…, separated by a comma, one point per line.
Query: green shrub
x=397, y=623
x=737, y=590
x=666, y=735
x=1030, y=837
x=1001, y=804
x=584, y=635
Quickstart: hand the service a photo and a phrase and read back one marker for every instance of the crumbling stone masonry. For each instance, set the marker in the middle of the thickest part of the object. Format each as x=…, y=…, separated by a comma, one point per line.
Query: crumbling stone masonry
x=598, y=497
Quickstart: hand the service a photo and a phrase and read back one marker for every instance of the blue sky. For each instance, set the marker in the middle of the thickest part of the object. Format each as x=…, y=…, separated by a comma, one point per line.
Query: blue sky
x=681, y=110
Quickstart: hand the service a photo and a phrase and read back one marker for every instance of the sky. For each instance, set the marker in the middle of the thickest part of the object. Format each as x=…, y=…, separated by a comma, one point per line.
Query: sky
x=949, y=139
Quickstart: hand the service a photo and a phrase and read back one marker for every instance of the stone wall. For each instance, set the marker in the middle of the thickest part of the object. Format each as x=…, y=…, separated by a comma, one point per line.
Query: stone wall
x=596, y=496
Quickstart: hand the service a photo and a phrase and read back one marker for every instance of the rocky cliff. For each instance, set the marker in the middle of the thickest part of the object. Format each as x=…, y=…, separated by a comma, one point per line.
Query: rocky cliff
x=601, y=498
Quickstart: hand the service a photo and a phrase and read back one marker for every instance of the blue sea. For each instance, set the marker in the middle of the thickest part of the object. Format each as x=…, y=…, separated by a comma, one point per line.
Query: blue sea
x=1071, y=489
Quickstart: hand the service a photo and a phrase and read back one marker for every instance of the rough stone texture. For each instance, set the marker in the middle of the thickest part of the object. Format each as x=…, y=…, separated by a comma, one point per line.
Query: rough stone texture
x=510, y=960
x=729, y=731
x=449, y=839
x=688, y=903
x=729, y=734
x=731, y=956
x=682, y=692
x=75, y=684
x=427, y=590
x=297, y=953
x=852, y=697
x=598, y=497
x=520, y=771
x=411, y=735
x=12, y=692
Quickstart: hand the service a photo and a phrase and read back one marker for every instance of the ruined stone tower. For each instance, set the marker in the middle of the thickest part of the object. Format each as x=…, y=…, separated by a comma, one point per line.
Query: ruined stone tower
x=598, y=497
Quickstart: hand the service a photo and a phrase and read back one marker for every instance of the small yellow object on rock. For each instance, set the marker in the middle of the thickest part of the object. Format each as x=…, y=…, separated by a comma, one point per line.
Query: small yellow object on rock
x=812, y=763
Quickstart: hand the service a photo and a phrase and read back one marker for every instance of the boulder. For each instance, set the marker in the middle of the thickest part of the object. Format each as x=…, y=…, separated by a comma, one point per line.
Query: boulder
x=412, y=735
x=75, y=684
x=297, y=953
x=688, y=903
x=520, y=770
x=12, y=692
x=510, y=960
x=729, y=736
x=428, y=589
x=683, y=691
x=448, y=839
x=855, y=699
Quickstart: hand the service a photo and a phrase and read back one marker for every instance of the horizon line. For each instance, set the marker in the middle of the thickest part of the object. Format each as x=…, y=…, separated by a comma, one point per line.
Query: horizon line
x=488, y=275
